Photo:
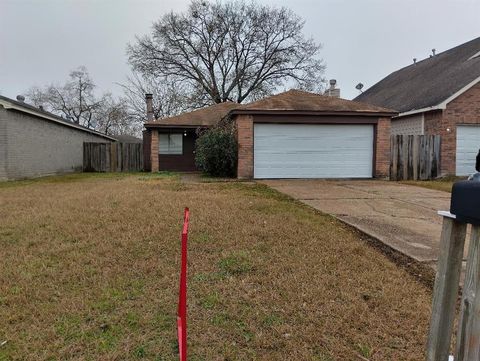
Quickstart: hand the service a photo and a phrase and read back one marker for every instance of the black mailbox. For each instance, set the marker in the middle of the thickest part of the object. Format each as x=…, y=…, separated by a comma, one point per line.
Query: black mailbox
x=465, y=203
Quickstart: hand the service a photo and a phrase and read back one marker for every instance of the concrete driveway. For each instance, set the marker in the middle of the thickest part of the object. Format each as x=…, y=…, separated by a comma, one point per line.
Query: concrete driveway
x=403, y=217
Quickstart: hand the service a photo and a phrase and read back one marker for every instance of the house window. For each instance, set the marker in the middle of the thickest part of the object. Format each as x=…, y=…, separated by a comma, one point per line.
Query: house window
x=170, y=143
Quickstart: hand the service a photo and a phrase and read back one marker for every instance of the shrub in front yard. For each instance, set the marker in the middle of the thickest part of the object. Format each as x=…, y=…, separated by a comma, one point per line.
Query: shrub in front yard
x=216, y=151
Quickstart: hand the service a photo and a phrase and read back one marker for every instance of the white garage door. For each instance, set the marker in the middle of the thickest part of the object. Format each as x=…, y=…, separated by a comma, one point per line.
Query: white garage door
x=313, y=151
x=468, y=144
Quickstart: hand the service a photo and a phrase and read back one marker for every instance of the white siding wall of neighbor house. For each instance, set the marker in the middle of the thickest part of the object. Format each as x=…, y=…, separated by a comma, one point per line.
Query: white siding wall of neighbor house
x=468, y=144
x=36, y=147
x=412, y=125
x=313, y=151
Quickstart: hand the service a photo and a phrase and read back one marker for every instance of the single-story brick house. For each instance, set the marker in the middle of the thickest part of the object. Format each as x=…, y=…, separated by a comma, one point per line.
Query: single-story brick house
x=438, y=96
x=36, y=143
x=169, y=143
x=294, y=134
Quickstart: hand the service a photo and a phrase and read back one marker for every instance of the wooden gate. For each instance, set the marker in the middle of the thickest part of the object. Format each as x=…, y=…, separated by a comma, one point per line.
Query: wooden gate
x=112, y=157
x=414, y=157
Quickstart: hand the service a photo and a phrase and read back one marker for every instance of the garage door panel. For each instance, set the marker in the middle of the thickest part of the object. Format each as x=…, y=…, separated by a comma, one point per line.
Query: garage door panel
x=468, y=144
x=313, y=151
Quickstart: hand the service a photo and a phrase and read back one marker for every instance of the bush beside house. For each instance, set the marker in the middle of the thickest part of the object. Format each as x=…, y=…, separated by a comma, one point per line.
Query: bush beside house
x=216, y=151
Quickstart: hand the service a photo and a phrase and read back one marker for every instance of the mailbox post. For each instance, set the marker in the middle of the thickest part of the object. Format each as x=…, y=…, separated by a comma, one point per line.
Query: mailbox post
x=464, y=210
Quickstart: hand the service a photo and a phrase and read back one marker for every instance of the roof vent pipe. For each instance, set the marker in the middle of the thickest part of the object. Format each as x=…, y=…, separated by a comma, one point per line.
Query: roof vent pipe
x=333, y=82
x=333, y=91
x=21, y=98
x=433, y=52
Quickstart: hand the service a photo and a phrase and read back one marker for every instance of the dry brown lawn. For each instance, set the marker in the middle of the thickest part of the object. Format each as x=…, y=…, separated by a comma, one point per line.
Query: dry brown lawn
x=89, y=271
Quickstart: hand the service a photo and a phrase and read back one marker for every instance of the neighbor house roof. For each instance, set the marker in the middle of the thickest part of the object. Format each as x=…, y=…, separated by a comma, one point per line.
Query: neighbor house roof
x=126, y=138
x=430, y=83
x=297, y=101
x=204, y=117
x=23, y=107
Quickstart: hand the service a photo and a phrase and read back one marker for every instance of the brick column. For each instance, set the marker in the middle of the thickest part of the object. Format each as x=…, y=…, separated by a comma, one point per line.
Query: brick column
x=382, y=155
x=245, y=146
x=154, y=151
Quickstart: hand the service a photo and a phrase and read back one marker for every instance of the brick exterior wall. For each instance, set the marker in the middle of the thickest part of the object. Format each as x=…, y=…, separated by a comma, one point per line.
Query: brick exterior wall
x=245, y=146
x=382, y=148
x=463, y=110
x=31, y=146
x=154, y=151
x=147, y=135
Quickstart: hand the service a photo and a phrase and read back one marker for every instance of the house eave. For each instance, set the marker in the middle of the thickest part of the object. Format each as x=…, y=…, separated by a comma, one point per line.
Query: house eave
x=174, y=126
x=419, y=111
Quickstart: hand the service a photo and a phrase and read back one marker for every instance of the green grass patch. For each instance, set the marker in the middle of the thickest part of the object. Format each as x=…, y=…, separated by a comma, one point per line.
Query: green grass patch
x=69, y=327
x=221, y=319
x=272, y=320
x=132, y=319
x=210, y=301
x=140, y=352
x=236, y=264
x=164, y=321
x=365, y=350
x=201, y=237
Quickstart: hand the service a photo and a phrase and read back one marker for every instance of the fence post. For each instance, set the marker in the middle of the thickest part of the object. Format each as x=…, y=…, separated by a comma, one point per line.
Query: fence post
x=468, y=335
x=446, y=288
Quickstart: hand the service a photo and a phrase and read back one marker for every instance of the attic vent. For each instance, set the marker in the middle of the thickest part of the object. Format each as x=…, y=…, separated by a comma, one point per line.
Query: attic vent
x=474, y=56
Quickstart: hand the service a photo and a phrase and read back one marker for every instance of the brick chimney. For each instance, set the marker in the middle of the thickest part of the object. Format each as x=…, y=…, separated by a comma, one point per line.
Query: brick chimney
x=149, y=101
x=333, y=91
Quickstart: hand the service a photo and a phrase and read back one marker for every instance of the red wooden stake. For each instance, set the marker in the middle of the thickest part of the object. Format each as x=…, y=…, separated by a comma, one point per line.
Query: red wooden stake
x=182, y=296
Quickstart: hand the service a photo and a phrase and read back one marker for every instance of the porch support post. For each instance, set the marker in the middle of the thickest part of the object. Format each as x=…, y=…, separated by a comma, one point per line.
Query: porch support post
x=154, y=151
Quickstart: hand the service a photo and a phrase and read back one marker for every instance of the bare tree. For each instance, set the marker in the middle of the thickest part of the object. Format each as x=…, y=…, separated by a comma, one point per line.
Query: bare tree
x=169, y=98
x=113, y=119
x=74, y=100
x=230, y=51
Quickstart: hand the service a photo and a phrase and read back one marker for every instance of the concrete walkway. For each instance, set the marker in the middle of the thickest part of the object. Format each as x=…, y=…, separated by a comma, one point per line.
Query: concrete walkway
x=403, y=217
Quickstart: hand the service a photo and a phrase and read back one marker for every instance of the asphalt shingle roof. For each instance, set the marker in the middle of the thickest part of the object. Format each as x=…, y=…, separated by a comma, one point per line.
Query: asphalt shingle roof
x=428, y=82
x=207, y=116
x=298, y=100
x=289, y=101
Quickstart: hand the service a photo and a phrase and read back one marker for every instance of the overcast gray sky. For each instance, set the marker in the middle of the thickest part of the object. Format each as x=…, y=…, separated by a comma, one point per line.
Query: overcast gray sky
x=363, y=40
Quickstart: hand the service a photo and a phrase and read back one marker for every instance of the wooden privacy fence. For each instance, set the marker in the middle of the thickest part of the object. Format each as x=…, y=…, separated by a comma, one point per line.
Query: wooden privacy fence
x=112, y=157
x=414, y=157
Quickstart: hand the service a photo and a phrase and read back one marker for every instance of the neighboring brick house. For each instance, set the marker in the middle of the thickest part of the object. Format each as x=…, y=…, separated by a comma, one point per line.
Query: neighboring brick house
x=36, y=143
x=294, y=134
x=438, y=96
